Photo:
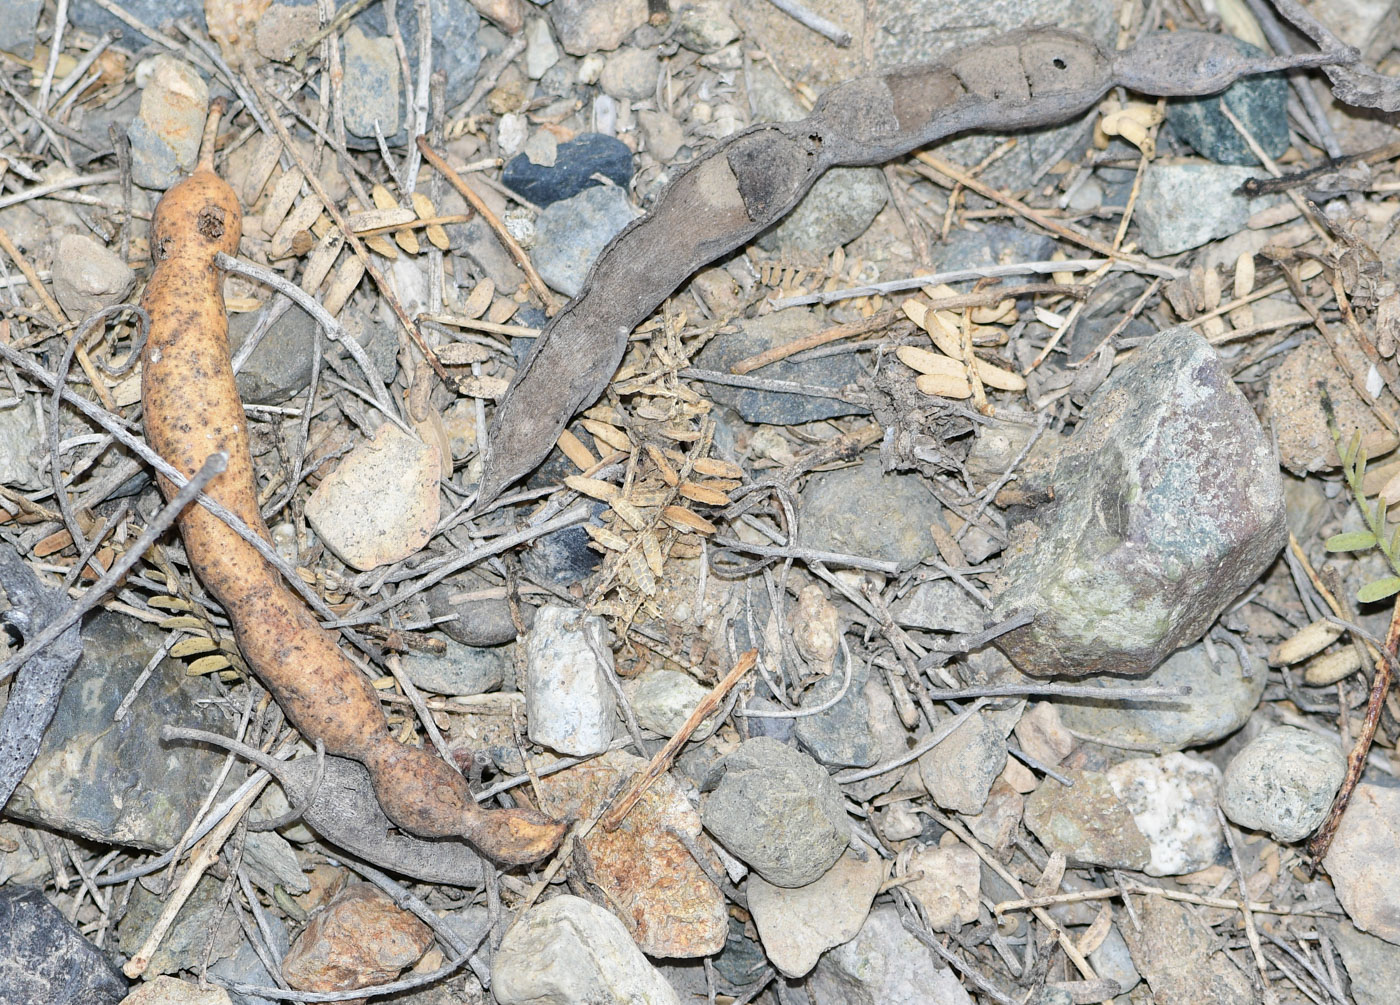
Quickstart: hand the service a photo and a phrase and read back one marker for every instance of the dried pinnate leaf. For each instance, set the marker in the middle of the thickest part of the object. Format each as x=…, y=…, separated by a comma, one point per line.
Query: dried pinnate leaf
x=609, y=539
x=717, y=468
x=684, y=520
x=607, y=433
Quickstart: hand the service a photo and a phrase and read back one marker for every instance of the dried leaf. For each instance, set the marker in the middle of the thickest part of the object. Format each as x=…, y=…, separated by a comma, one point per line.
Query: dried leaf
x=383, y=198
x=717, y=468
x=944, y=387
x=697, y=492
x=576, y=452
x=193, y=647
x=208, y=664
x=683, y=519
x=593, y=488
x=609, y=539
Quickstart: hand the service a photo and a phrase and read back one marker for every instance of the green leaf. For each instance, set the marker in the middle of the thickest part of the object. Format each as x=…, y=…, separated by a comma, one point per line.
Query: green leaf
x=1379, y=590
x=1356, y=540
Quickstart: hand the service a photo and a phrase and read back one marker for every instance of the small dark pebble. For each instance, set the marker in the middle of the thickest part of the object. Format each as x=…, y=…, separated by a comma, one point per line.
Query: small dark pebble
x=575, y=164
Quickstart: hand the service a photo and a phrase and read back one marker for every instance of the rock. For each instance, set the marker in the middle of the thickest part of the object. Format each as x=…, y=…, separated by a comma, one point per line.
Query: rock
x=664, y=135
x=951, y=886
x=1183, y=206
x=776, y=407
x=246, y=967
x=170, y=991
x=1220, y=702
x=282, y=28
x=371, y=86
x=1112, y=961
x=838, y=209
x=705, y=26
x=885, y=965
x=480, y=620
x=959, y=772
x=113, y=782
x=630, y=74
x=1172, y=799
x=663, y=699
x=670, y=906
x=1168, y=503
x=88, y=277
x=460, y=670
x=1283, y=782
x=1176, y=953
x=575, y=164
x=841, y=736
x=567, y=951
x=1087, y=823
x=1373, y=964
x=1361, y=859
x=358, y=939
x=87, y=14
x=43, y=958
x=570, y=706
x=380, y=504
x=564, y=556
x=1295, y=407
x=996, y=825
x=271, y=861
x=778, y=811
x=165, y=134
x=184, y=946
x=585, y=26
x=1260, y=103
x=1043, y=736
x=862, y=511
x=18, y=28
x=939, y=605
x=798, y=924
x=24, y=449
x=280, y=367
x=540, y=51
x=570, y=233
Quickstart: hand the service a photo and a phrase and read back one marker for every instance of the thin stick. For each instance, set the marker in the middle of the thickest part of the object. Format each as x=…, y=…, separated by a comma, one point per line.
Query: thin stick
x=1251, y=933
x=818, y=338
x=27, y=270
x=810, y=19
x=662, y=761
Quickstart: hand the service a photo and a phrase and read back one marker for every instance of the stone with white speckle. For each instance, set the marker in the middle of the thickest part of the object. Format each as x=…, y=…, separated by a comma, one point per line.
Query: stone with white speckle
x=1172, y=799
x=569, y=703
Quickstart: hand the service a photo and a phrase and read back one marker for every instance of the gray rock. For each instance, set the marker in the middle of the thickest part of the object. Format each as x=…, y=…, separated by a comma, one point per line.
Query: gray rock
x=959, y=772
x=1283, y=782
x=567, y=951
x=479, y=246
x=245, y=966
x=88, y=277
x=663, y=699
x=664, y=135
x=1261, y=105
x=841, y=736
x=540, y=51
x=862, y=511
x=1168, y=503
x=585, y=26
x=630, y=74
x=1220, y=702
x=1183, y=206
x=742, y=960
x=1087, y=823
x=1373, y=964
x=18, y=27
x=770, y=97
x=87, y=14
x=114, y=782
x=1172, y=799
x=1362, y=859
x=479, y=621
x=838, y=209
x=570, y=233
x=282, y=28
x=43, y=958
x=165, y=134
x=885, y=965
x=183, y=947
x=23, y=448
x=705, y=26
x=950, y=887
x=1112, y=961
x=569, y=703
x=1179, y=957
x=460, y=670
x=280, y=366
x=776, y=407
x=778, y=811
x=994, y=244
x=371, y=87
x=939, y=605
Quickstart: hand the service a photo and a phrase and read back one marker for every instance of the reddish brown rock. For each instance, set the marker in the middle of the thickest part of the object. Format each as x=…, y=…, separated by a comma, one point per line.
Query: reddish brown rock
x=360, y=938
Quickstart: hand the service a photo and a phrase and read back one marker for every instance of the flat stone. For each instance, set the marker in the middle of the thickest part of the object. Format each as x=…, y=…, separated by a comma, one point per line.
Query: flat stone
x=885, y=965
x=575, y=164
x=1168, y=504
x=1087, y=823
x=664, y=135
x=662, y=700
x=479, y=621
x=958, y=773
x=670, y=906
x=1259, y=102
x=839, y=208
x=461, y=670
x=1112, y=961
x=165, y=134
x=1296, y=413
x=1373, y=964
x=776, y=407
x=1283, y=782
x=585, y=26
x=1182, y=206
x=566, y=951
x=1043, y=736
x=18, y=27
x=951, y=885
x=1172, y=799
x=24, y=448
x=570, y=706
x=939, y=605
x=87, y=276
x=572, y=232
x=631, y=74
x=371, y=87
x=280, y=367
x=996, y=825
x=281, y=29
x=841, y=736
x=1177, y=955
x=358, y=939
x=184, y=945
x=778, y=811
x=43, y=958
x=1220, y=702
x=380, y=504
x=1361, y=861
x=540, y=51
x=705, y=26
x=798, y=924
x=860, y=510
x=170, y=991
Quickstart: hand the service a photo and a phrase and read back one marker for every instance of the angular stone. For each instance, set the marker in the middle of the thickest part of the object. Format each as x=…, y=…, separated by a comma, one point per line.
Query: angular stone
x=566, y=951
x=885, y=965
x=570, y=705
x=1172, y=799
x=778, y=811
x=1182, y=206
x=798, y=924
x=861, y=510
x=939, y=606
x=1087, y=823
x=371, y=91
x=1373, y=964
x=88, y=276
x=1042, y=734
x=575, y=164
x=571, y=233
x=1261, y=105
x=23, y=446
x=839, y=208
x=1362, y=861
x=959, y=772
x=43, y=958
x=1283, y=782
x=360, y=938
x=662, y=700
x=184, y=945
x=585, y=26
x=950, y=887
x=672, y=908
x=460, y=670
x=1177, y=955
x=1168, y=503
x=165, y=135
x=840, y=736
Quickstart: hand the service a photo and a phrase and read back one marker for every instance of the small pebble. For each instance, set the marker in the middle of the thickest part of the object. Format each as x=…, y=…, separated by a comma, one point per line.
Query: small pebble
x=359, y=938
x=461, y=670
x=370, y=92
x=939, y=606
x=170, y=991
x=87, y=276
x=1259, y=102
x=165, y=135
x=951, y=885
x=17, y=27
x=630, y=74
x=571, y=233
x=585, y=26
x=798, y=924
x=1087, y=823
x=576, y=162
x=705, y=26
x=1172, y=800
x=861, y=510
x=570, y=706
x=1182, y=206
x=958, y=773
x=662, y=700
x=664, y=135
x=540, y=51
x=23, y=447
x=1283, y=782
x=839, y=208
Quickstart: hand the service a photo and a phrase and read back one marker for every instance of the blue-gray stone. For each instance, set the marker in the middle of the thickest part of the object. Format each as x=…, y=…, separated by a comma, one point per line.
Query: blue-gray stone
x=860, y=510
x=839, y=208
x=1183, y=206
x=575, y=164
x=564, y=557
x=841, y=736
x=154, y=164
x=460, y=670
x=18, y=27
x=43, y=958
x=1261, y=105
x=87, y=14
x=570, y=234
